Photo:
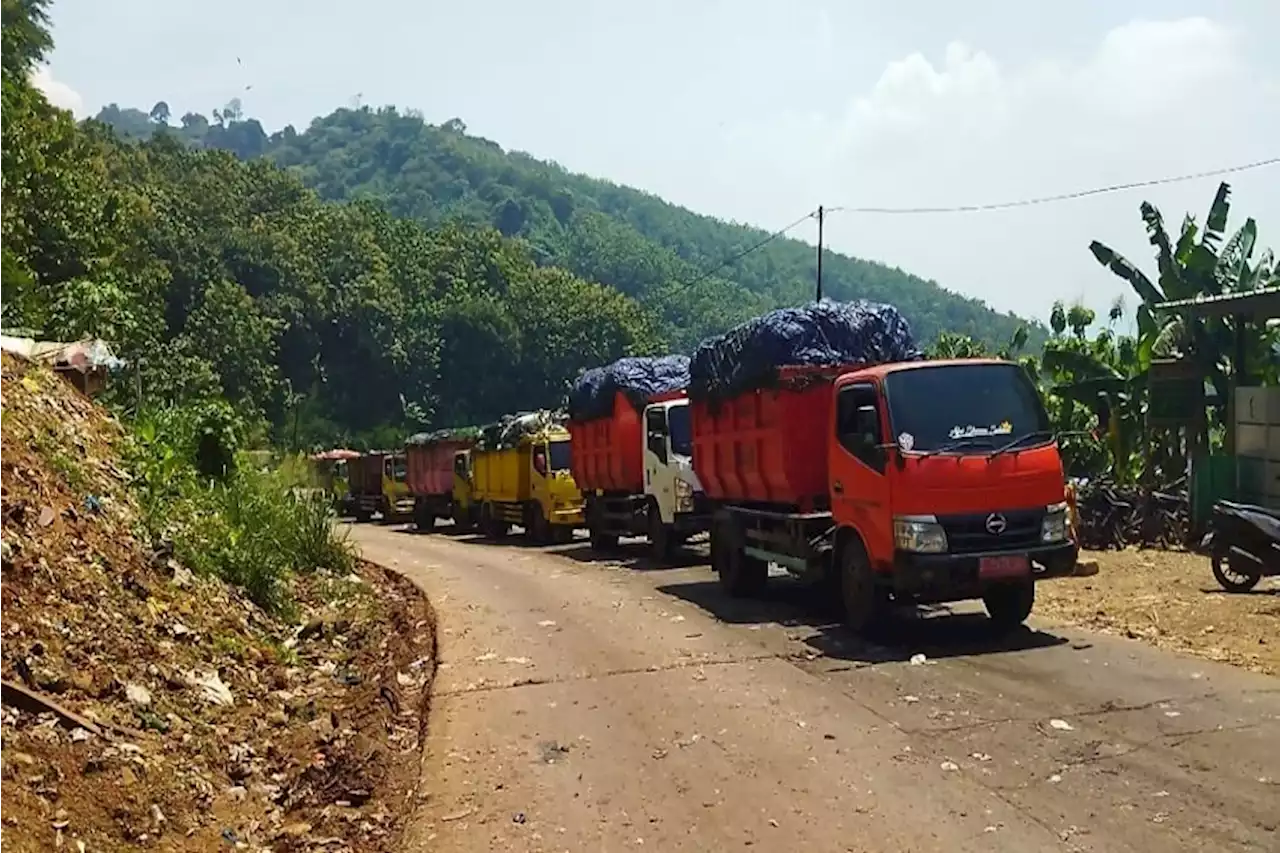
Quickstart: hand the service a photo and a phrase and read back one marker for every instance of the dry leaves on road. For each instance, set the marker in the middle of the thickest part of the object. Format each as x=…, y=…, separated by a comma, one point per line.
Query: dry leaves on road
x=1169, y=599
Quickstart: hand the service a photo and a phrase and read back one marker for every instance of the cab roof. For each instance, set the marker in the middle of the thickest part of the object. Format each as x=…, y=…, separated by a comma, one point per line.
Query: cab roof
x=879, y=371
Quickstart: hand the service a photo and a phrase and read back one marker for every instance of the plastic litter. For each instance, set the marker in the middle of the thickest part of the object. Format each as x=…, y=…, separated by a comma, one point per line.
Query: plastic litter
x=820, y=334
x=640, y=379
x=508, y=431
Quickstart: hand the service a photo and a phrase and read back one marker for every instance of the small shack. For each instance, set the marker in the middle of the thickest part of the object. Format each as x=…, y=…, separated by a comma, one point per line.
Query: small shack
x=1249, y=469
x=84, y=363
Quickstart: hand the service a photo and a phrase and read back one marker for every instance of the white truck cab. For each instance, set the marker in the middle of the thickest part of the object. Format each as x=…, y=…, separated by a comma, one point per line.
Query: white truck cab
x=668, y=463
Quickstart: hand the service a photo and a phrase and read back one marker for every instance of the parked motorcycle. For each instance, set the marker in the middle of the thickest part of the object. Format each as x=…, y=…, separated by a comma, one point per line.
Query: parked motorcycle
x=1244, y=544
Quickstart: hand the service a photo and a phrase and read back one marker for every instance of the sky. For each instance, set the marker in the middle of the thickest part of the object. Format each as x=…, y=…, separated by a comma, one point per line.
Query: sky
x=759, y=111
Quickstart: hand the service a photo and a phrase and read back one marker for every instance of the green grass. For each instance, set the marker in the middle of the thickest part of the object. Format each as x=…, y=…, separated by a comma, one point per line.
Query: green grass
x=245, y=527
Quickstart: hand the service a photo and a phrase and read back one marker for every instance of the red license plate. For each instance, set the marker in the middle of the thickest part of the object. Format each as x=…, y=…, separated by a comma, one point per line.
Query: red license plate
x=996, y=568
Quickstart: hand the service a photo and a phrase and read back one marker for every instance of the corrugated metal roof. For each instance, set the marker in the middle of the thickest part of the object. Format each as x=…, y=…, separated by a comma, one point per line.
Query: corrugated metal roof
x=1265, y=302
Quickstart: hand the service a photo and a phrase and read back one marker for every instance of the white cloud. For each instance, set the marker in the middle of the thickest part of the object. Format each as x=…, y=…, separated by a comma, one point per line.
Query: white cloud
x=58, y=93
x=1152, y=99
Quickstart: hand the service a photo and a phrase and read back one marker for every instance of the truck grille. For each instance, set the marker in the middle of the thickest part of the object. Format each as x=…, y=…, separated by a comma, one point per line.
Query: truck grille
x=969, y=534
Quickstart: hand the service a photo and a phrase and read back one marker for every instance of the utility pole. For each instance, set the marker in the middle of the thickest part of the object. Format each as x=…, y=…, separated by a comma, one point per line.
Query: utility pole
x=819, y=253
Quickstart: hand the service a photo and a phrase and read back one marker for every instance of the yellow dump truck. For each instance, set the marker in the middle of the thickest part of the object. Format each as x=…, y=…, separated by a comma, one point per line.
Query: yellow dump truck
x=520, y=476
x=378, y=486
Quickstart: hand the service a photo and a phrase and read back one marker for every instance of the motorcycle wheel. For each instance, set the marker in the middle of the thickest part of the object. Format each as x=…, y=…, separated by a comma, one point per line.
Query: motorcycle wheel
x=1232, y=579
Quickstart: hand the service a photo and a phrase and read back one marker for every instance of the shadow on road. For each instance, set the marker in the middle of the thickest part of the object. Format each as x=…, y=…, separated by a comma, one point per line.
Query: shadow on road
x=634, y=555
x=936, y=632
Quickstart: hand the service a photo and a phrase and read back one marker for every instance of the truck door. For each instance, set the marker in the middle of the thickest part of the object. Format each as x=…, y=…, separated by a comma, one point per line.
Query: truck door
x=658, y=480
x=858, y=469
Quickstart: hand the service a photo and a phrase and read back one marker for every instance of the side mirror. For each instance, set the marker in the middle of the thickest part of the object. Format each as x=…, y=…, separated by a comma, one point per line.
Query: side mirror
x=540, y=461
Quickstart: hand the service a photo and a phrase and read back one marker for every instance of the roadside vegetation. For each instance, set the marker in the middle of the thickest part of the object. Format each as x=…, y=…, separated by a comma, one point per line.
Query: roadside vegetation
x=220, y=515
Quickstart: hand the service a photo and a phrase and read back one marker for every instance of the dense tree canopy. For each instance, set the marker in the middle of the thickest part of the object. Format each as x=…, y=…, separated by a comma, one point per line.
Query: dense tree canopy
x=220, y=277
x=641, y=245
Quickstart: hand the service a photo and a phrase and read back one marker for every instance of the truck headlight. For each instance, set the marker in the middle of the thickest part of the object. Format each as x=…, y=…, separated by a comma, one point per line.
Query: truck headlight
x=1054, y=526
x=920, y=534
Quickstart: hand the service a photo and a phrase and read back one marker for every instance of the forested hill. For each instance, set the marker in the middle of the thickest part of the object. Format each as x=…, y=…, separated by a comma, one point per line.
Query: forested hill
x=638, y=243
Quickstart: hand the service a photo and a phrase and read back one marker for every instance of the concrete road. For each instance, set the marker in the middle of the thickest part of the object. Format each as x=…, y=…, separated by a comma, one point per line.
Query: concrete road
x=590, y=705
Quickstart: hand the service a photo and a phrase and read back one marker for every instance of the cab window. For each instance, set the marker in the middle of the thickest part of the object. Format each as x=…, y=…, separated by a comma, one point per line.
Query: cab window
x=858, y=424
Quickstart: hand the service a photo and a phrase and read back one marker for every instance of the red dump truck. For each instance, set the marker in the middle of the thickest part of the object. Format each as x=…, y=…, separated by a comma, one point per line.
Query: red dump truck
x=432, y=463
x=915, y=482
x=634, y=468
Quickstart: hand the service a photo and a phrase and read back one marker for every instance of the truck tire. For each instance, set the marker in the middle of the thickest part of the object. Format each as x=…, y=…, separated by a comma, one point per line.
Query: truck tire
x=660, y=535
x=492, y=526
x=601, y=541
x=741, y=576
x=463, y=519
x=536, y=529
x=361, y=515
x=864, y=599
x=423, y=517
x=1009, y=604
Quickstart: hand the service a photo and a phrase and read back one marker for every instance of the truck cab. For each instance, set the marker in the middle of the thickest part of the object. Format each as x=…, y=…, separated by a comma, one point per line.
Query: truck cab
x=464, y=510
x=669, y=478
x=557, y=496
x=912, y=482
x=945, y=484
x=397, y=502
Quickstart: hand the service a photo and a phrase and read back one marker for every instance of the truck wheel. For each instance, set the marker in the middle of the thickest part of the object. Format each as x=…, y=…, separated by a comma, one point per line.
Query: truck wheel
x=601, y=541
x=423, y=518
x=1009, y=604
x=743, y=576
x=865, y=602
x=490, y=525
x=361, y=515
x=660, y=544
x=537, y=529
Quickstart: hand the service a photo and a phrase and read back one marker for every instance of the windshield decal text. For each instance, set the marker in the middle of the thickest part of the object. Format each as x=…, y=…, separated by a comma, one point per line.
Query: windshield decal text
x=971, y=431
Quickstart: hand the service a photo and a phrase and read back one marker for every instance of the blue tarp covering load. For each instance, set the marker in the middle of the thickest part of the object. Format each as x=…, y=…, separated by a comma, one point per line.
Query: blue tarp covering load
x=820, y=334
x=640, y=379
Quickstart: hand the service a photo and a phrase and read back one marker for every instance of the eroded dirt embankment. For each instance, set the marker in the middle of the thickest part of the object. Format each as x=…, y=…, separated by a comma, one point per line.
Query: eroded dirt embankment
x=145, y=707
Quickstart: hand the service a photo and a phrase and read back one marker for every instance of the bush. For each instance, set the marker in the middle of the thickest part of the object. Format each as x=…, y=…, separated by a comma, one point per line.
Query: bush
x=248, y=527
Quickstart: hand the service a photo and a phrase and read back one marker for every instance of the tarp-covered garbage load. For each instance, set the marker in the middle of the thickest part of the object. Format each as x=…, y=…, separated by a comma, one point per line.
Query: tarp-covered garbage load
x=820, y=334
x=466, y=435
x=508, y=431
x=639, y=378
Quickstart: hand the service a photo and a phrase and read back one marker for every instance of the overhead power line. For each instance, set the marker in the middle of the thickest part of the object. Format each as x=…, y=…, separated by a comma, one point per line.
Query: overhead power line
x=1049, y=199
x=737, y=256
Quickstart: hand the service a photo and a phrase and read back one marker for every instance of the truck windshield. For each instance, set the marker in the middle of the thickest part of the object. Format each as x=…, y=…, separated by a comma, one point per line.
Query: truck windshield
x=397, y=469
x=559, y=455
x=969, y=407
x=678, y=426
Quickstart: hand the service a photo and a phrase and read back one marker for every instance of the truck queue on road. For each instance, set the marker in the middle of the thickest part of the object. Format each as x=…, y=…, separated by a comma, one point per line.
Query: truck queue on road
x=859, y=467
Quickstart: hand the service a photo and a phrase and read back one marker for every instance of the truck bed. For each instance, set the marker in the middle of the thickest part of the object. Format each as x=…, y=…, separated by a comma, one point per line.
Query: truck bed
x=607, y=452
x=430, y=466
x=768, y=447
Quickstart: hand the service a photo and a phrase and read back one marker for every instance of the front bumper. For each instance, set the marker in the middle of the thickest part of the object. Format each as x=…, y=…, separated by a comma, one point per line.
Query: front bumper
x=572, y=516
x=692, y=522
x=953, y=577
